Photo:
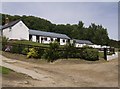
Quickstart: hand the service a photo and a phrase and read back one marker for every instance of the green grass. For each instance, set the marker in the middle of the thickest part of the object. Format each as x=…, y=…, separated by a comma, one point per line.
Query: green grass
x=29, y=43
x=32, y=43
x=101, y=54
x=4, y=70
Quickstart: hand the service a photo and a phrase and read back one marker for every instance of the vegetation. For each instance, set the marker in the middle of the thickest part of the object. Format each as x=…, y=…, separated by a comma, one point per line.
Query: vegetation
x=35, y=53
x=52, y=53
x=92, y=33
x=101, y=54
x=25, y=42
x=4, y=40
x=4, y=70
x=90, y=54
x=70, y=52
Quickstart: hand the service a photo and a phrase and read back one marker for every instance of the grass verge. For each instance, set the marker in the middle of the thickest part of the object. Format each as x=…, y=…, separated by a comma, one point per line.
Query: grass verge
x=4, y=70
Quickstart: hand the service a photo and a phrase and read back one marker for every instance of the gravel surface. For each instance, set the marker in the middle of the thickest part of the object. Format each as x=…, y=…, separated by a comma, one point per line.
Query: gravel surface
x=61, y=75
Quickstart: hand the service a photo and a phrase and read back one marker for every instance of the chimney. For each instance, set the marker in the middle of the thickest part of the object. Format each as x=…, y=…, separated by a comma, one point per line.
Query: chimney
x=6, y=20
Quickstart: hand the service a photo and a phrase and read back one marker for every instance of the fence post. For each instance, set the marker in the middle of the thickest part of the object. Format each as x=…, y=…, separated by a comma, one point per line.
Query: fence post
x=105, y=53
x=113, y=50
x=19, y=49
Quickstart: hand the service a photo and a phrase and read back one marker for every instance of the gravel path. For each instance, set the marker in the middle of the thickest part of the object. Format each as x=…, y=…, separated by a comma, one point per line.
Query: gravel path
x=9, y=63
x=65, y=74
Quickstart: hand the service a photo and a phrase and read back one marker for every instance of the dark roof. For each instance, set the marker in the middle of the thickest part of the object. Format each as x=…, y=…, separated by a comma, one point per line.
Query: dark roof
x=82, y=41
x=49, y=34
x=10, y=24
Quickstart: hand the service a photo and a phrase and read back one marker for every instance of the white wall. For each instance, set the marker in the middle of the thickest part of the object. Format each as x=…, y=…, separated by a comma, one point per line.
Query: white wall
x=46, y=41
x=19, y=31
x=34, y=38
x=79, y=45
x=63, y=43
x=49, y=40
x=39, y=39
x=7, y=33
x=95, y=46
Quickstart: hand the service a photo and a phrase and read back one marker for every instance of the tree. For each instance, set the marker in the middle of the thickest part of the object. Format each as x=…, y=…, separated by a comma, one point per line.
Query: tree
x=94, y=33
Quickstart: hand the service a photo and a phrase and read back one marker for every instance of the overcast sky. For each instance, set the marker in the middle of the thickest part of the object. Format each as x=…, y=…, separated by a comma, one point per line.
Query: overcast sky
x=105, y=13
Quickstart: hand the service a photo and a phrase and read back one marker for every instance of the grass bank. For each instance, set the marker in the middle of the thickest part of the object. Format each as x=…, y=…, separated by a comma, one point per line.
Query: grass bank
x=4, y=70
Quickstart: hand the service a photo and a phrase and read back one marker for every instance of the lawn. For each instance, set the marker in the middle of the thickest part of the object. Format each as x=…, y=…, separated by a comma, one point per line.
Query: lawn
x=29, y=43
x=101, y=54
x=4, y=70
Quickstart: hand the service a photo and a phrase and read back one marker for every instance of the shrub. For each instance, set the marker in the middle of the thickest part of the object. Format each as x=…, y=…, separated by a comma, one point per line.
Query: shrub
x=40, y=52
x=4, y=40
x=70, y=52
x=25, y=51
x=90, y=54
x=52, y=53
x=15, y=49
x=33, y=53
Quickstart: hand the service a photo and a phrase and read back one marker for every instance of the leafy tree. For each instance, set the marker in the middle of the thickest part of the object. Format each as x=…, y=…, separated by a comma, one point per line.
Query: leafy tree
x=94, y=33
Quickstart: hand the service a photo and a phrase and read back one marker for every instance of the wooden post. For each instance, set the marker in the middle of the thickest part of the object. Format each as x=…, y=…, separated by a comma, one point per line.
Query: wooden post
x=105, y=53
x=113, y=50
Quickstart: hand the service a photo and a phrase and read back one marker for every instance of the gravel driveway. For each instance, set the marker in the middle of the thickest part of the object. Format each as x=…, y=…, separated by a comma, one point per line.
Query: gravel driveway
x=63, y=75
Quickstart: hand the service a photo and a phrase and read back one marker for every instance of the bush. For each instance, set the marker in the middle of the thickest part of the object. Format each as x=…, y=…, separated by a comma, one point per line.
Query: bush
x=90, y=54
x=52, y=53
x=70, y=52
x=4, y=40
x=33, y=53
x=16, y=48
x=25, y=51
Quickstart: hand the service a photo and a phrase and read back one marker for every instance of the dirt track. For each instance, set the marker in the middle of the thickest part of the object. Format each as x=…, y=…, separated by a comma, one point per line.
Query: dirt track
x=65, y=75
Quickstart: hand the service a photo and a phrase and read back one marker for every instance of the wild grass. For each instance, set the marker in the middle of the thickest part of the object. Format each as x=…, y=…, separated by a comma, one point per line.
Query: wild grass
x=4, y=70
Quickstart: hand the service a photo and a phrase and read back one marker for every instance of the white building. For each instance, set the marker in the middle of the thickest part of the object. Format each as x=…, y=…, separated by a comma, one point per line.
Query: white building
x=17, y=30
x=81, y=43
x=47, y=37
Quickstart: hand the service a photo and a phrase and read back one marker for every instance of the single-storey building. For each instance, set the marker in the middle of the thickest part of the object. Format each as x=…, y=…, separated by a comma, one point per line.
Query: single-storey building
x=17, y=30
x=81, y=43
x=47, y=37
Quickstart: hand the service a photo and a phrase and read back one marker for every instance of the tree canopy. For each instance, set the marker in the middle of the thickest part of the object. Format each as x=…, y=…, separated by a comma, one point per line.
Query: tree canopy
x=94, y=33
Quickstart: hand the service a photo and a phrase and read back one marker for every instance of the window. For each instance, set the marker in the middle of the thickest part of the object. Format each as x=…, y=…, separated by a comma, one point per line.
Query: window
x=63, y=41
x=45, y=38
x=51, y=39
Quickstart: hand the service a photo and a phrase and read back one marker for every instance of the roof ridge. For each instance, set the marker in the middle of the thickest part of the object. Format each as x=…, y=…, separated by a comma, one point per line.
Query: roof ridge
x=51, y=34
x=10, y=24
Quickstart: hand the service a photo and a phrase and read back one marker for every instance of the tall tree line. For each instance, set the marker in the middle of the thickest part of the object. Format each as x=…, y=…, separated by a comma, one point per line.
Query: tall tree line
x=94, y=33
